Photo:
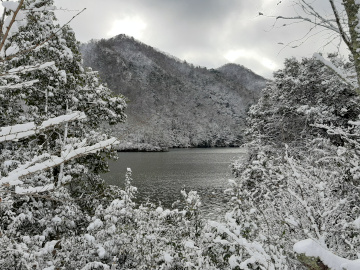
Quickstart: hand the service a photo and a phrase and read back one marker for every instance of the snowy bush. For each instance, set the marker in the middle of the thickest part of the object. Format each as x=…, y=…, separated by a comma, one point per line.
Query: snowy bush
x=301, y=178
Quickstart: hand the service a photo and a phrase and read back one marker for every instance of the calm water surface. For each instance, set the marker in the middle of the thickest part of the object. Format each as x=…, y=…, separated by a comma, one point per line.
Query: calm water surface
x=160, y=177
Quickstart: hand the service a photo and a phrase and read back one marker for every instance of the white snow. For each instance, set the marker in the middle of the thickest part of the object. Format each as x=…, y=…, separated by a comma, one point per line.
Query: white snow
x=19, y=131
x=20, y=190
x=18, y=85
x=312, y=249
x=97, y=223
x=233, y=261
x=30, y=68
x=89, y=238
x=14, y=49
x=291, y=220
x=190, y=244
x=338, y=71
x=257, y=252
x=14, y=176
x=354, y=123
x=356, y=222
x=11, y=5
x=167, y=257
x=95, y=265
x=159, y=210
x=56, y=220
x=101, y=252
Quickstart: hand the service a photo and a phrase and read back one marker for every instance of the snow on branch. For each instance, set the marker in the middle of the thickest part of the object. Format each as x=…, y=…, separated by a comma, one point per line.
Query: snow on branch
x=18, y=85
x=53, y=161
x=312, y=249
x=17, y=132
x=338, y=71
x=10, y=5
x=30, y=190
x=23, y=69
x=254, y=250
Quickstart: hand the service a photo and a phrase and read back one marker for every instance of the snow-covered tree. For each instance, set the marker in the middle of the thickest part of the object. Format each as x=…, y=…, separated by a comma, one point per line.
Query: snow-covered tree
x=52, y=112
x=340, y=19
x=300, y=180
x=303, y=93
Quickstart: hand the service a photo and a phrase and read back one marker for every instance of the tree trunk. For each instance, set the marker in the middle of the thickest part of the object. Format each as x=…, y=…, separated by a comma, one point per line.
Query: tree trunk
x=352, y=11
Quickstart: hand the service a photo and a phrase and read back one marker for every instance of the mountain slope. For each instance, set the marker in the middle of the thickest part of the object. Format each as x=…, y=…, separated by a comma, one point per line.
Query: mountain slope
x=245, y=77
x=172, y=103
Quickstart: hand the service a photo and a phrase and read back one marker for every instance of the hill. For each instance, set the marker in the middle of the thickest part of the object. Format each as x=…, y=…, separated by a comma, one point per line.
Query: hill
x=172, y=103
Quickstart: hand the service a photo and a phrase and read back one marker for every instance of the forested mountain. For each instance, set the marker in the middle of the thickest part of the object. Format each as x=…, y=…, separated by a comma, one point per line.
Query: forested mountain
x=170, y=102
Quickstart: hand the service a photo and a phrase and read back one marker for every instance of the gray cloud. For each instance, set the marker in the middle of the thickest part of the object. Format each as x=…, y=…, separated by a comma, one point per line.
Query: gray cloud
x=202, y=32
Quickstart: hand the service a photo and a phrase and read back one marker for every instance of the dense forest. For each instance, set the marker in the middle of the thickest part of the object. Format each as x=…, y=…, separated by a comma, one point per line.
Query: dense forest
x=295, y=197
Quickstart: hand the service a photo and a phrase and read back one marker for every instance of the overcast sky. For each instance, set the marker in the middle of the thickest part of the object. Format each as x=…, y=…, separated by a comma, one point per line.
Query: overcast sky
x=208, y=33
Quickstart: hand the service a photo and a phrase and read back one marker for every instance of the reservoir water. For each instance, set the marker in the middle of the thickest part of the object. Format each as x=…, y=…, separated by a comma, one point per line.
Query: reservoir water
x=160, y=176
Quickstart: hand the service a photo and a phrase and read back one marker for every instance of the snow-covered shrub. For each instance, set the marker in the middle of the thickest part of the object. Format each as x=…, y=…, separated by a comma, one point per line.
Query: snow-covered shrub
x=303, y=93
x=300, y=180
x=126, y=236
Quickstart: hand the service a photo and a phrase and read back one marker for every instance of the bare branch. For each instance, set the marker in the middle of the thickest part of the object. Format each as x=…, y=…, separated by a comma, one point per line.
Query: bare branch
x=10, y=25
x=329, y=27
x=2, y=23
x=316, y=14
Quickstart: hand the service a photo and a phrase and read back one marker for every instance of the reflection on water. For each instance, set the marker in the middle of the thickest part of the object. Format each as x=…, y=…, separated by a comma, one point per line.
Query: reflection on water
x=160, y=177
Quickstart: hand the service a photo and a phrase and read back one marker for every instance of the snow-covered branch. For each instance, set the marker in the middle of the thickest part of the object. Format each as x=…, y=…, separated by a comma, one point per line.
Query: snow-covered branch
x=20, y=131
x=53, y=161
x=18, y=85
x=312, y=249
x=339, y=72
x=23, y=69
x=254, y=250
x=40, y=189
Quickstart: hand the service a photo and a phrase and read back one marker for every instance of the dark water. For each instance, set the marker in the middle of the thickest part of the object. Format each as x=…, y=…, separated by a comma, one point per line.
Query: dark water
x=160, y=177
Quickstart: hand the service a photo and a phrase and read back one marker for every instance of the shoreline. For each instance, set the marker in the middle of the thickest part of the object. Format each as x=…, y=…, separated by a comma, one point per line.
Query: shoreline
x=129, y=147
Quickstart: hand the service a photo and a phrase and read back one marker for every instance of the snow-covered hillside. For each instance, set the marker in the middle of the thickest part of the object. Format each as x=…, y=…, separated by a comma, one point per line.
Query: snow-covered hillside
x=172, y=103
